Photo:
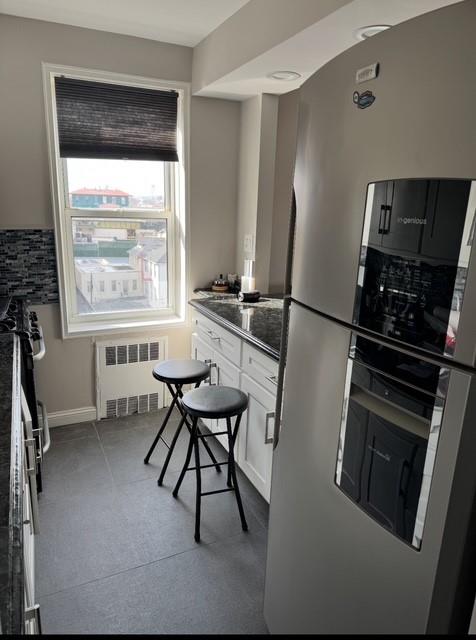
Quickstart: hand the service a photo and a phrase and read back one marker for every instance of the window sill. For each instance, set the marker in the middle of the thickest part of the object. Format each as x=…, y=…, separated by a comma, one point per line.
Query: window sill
x=85, y=329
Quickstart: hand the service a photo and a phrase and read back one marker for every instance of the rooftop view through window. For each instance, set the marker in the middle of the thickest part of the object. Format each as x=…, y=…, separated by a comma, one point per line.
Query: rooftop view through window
x=120, y=264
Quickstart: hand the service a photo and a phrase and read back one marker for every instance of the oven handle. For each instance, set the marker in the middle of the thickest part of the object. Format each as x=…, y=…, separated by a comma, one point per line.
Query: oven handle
x=46, y=428
x=41, y=353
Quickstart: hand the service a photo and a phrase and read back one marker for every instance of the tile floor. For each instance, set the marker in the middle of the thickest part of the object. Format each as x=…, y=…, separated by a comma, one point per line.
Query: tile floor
x=116, y=552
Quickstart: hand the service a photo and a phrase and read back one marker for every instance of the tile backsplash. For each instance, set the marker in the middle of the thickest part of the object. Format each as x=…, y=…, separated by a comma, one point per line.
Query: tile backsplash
x=28, y=264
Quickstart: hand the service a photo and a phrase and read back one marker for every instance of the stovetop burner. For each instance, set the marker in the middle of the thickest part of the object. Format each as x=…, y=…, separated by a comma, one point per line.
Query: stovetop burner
x=15, y=317
x=4, y=304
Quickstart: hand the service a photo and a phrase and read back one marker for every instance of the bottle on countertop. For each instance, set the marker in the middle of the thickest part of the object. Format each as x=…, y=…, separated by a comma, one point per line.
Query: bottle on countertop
x=220, y=285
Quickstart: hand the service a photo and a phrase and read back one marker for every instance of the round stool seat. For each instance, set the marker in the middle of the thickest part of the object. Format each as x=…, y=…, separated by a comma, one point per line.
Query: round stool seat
x=181, y=371
x=215, y=402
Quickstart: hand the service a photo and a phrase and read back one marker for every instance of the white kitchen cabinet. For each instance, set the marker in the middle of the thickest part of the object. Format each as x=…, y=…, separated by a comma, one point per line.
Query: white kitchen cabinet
x=221, y=340
x=255, y=445
x=31, y=614
x=250, y=370
x=202, y=351
x=228, y=376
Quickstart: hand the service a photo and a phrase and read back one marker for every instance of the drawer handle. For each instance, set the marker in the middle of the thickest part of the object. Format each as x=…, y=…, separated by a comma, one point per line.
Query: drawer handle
x=33, y=457
x=212, y=365
x=213, y=335
x=267, y=439
x=273, y=379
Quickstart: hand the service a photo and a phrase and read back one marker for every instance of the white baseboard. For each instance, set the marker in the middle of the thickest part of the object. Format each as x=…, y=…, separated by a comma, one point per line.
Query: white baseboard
x=71, y=416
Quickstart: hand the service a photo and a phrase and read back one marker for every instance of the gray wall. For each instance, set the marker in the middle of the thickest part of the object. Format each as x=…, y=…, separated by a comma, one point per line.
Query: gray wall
x=267, y=162
x=250, y=135
x=283, y=181
x=261, y=164
x=256, y=28
x=66, y=375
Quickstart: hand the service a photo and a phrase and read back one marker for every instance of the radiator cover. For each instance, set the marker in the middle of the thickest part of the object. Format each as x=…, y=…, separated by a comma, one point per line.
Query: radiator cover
x=124, y=381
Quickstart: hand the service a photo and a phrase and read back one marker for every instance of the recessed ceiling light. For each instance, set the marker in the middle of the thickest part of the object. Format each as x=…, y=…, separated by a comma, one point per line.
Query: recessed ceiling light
x=284, y=75
x=367, y=32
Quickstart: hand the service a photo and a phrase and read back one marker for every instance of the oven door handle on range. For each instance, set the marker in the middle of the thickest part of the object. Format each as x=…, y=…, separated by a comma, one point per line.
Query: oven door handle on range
x=46, y=440
x=41, y=353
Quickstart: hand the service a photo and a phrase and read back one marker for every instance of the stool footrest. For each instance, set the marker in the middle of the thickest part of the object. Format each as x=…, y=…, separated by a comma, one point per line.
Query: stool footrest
x=165, y=442
x=208, y=435
x=209, y=493
x=207, y=466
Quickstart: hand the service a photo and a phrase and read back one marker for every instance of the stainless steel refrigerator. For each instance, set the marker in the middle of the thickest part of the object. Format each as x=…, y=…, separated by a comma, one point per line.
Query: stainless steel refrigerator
x=372, y=522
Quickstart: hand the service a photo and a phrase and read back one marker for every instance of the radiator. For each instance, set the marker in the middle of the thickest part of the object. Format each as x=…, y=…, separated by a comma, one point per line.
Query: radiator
x=124, y=381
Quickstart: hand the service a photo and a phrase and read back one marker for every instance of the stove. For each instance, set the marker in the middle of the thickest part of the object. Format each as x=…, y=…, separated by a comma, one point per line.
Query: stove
x=16, y=317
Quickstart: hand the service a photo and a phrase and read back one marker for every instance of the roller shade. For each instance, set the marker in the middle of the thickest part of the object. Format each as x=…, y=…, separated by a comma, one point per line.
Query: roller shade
x=110, y=121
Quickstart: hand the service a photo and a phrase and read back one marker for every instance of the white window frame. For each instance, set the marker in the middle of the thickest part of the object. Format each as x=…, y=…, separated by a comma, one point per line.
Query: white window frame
x=176, y=214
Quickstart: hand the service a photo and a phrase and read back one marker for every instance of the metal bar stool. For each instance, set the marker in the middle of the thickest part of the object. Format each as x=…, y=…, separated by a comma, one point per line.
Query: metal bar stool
x=213, y=402
x=175, y=374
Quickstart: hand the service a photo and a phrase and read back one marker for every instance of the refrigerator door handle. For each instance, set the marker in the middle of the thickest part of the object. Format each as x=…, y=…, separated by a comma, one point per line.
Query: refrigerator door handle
x=284, y=329
x=384, y=219
x=382, y=215
x=386, y=226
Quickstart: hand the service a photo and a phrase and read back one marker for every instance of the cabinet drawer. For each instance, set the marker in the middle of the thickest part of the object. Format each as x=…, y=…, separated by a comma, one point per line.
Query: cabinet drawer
x=221, y=340
x=261, y=368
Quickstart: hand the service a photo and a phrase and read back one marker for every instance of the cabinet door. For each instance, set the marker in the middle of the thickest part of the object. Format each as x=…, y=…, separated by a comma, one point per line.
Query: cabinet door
x=403, y=227
x=255, y=448
x=31, y=621
x=201, y=351
x=443, y=231
x=228, y=376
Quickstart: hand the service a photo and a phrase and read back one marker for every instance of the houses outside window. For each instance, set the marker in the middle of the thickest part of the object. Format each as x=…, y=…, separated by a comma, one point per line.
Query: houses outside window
x=118, y=220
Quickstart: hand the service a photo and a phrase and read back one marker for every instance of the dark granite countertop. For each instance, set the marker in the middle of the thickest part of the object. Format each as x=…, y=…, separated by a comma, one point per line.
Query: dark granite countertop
x=259, y=323
x=11, y=489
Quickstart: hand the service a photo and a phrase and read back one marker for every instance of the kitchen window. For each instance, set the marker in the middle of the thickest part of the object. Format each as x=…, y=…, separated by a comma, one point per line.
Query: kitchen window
x=118, y=158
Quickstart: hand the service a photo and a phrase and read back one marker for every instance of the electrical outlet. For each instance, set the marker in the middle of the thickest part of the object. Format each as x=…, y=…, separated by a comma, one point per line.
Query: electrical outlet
x=249, y=244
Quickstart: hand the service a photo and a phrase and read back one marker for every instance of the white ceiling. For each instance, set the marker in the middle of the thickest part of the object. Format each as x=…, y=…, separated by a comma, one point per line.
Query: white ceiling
x=184, y=22
x=187, y=22
x=313, y=47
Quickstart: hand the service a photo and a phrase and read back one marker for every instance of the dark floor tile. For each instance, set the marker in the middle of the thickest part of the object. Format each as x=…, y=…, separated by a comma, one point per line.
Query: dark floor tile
x=82, y=539
x=220, y=516
x=73, y=432
x=164, y=525
x=126, y=449
x=73, y=468
x=135, y=421
x=212, y=589
x=254, y=500
x=116, y=553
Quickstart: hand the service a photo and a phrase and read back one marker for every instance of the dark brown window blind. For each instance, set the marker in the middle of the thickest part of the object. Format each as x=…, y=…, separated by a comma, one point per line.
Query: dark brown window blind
x=111, y=121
